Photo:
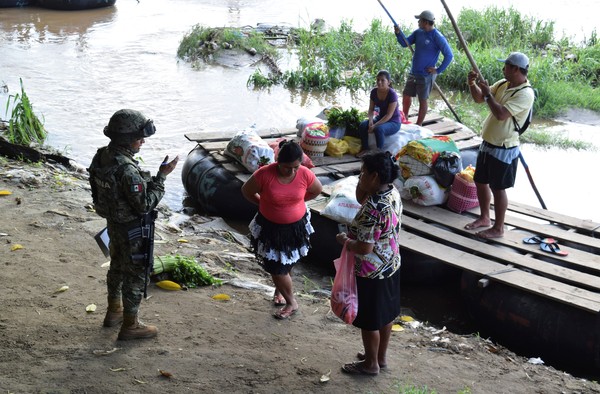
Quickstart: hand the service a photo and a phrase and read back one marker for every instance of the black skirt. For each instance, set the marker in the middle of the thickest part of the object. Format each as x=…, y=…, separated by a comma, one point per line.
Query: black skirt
x=378, y=301
x=279, y=246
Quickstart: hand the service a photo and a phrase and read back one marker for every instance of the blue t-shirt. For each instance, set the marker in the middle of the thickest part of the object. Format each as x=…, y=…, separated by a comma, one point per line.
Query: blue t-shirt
x=392, y=97
x=428, y=46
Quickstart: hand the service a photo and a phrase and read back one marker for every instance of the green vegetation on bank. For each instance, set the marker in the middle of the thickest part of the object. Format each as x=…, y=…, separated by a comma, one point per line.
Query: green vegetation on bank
x=203, y=42
x=565, y=74
x=24, y=127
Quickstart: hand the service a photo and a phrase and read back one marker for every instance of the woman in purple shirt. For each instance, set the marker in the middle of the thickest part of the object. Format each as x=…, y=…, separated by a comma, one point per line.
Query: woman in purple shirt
x=387, y=122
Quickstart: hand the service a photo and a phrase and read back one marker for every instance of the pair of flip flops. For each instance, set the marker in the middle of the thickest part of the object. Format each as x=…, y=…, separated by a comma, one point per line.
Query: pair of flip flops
x=546, y=244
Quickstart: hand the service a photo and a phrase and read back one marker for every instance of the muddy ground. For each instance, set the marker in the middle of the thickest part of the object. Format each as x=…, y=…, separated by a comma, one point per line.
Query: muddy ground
x=50, y=344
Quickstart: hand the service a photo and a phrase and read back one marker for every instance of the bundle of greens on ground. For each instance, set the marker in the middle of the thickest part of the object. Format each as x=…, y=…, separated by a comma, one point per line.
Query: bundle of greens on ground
x=184, y=270
x=24, y=127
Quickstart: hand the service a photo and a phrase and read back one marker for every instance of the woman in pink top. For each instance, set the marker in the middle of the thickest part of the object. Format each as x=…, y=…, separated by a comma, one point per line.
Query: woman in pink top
x=280, y=231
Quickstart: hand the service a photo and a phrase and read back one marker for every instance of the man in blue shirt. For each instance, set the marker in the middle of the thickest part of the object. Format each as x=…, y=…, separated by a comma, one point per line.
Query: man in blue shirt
x=429, y=42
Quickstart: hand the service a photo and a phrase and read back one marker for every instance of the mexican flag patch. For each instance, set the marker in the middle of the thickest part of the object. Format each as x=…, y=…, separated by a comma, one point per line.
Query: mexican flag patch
x=137, y=187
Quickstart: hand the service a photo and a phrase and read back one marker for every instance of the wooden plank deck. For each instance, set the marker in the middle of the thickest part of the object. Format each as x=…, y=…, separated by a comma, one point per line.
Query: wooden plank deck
x=550, y=288
x=439, y=233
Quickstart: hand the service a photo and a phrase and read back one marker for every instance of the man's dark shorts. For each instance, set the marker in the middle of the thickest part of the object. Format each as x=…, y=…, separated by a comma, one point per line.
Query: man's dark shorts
x=419, y=85
x=494, y=172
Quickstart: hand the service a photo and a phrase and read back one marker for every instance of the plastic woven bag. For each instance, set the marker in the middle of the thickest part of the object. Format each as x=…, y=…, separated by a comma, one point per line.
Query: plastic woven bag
x=248, y=148
x=342, y=205
x=463, y=194
x=314, y=139
x=423, y=190
x=344, y=295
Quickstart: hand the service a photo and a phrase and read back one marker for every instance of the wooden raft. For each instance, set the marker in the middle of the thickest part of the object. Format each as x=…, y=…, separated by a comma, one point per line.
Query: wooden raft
x=439, y=233
x=216, y=142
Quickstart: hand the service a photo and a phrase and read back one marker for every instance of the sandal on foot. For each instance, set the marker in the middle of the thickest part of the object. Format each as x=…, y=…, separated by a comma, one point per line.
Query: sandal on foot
x=278, y=300
x=361, y=357
x=355, y=368
x=284, y=313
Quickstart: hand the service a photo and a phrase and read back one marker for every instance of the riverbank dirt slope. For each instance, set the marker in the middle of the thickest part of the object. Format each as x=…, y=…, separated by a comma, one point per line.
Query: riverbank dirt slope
x=50, y=344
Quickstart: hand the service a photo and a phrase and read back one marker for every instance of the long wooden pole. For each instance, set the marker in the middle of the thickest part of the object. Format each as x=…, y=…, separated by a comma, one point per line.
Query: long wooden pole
x=476, y=69
x=435, y=85
x=462, y=40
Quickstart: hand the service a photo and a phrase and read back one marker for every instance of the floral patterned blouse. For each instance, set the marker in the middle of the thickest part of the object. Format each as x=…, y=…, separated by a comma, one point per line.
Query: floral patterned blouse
x=378, y=222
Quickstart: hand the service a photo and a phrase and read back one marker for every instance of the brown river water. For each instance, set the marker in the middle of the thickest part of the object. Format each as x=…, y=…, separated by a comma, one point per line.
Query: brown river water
x=79, y=67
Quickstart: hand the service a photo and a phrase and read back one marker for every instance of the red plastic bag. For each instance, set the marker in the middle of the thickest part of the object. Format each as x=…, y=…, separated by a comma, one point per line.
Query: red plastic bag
x=344, y=296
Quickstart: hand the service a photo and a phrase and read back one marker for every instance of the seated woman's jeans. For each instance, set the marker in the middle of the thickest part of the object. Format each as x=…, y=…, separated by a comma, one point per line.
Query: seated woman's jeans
x=380, y=131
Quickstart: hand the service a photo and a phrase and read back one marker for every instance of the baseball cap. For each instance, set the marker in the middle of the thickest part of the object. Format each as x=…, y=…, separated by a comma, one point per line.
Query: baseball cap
x=427, y=15
x=517, y=59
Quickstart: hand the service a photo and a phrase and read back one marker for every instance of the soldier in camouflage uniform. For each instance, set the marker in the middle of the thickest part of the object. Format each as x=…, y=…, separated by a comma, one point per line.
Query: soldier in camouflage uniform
x=122, y=192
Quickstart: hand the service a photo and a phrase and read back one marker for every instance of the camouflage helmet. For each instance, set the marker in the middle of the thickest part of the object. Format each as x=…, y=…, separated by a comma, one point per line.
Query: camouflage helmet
x=128, y=125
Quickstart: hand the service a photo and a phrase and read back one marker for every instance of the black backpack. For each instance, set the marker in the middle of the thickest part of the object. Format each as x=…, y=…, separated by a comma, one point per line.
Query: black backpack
x=521, y=129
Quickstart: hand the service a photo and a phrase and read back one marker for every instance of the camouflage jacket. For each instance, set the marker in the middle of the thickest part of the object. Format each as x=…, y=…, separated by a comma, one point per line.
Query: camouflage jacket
x=121, y=191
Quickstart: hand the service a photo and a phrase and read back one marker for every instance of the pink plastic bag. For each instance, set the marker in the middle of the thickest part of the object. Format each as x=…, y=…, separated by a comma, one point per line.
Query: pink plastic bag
x=344, y=296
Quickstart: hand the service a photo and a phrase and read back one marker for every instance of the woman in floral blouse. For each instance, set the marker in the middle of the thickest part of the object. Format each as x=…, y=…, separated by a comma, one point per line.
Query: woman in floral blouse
x=374, y=239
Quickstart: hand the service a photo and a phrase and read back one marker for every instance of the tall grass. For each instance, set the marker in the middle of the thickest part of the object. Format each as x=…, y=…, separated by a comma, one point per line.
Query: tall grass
x=563, y=74
x=494, y=26
x=24, y=127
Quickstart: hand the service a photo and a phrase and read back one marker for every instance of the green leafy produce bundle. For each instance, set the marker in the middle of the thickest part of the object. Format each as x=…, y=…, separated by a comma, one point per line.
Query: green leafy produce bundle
x=349, y=119
x=184, y=270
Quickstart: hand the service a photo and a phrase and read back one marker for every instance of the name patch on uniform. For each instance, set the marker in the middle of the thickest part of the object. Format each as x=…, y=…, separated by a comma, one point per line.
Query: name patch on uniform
x=137, y=188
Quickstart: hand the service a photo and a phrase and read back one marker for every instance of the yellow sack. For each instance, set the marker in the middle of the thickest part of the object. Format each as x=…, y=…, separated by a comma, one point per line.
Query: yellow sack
x=336, y=147
x=354, y=144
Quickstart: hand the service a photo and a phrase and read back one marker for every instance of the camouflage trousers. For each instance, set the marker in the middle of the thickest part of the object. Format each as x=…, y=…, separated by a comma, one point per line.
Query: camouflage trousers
x=126, y=277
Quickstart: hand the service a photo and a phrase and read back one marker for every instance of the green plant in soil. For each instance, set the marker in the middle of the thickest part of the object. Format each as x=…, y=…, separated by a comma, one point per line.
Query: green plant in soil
x=24, y=127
